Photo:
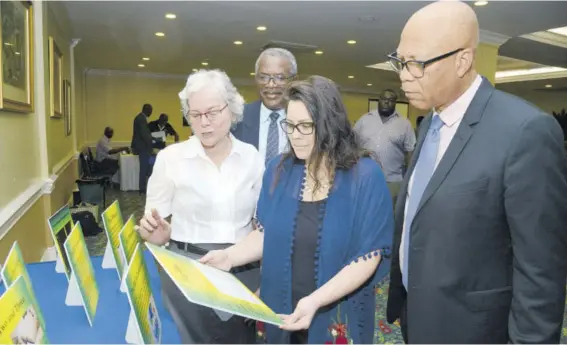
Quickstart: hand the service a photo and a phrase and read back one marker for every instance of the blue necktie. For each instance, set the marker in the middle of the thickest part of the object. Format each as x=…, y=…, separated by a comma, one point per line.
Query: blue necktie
x=422, y=174
x=273, y=142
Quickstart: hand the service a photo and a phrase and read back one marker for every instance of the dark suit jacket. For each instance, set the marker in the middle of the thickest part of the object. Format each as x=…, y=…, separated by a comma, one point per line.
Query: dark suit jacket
x=141, y=135
x=248, y=130
x=488, y=255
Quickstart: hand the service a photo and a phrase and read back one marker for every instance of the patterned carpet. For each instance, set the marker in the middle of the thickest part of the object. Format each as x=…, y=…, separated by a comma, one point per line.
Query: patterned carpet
x=133, y=203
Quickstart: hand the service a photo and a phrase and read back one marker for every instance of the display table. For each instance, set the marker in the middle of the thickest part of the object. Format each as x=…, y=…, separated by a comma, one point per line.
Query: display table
x=69, y=325
x=129, y=172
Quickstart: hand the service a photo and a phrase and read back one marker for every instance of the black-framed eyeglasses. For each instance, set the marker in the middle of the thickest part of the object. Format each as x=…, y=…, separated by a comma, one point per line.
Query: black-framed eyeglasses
x=304, y=128
x=279, y=79
x=415, y=67
x=211, y=115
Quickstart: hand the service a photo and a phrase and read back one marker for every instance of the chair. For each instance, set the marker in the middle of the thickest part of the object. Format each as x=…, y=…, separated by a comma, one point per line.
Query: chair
x=92, y=187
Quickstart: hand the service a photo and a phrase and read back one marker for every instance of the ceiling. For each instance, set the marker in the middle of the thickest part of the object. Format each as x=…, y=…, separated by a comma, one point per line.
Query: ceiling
x=117, y=34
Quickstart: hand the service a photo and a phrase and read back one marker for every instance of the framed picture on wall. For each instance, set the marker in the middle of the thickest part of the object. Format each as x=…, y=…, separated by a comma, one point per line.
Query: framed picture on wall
x=16, y=60
x=55, y=79
x=67, y=106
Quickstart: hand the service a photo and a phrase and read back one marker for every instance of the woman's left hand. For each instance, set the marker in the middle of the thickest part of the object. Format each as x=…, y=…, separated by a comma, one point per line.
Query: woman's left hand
x=302, y=316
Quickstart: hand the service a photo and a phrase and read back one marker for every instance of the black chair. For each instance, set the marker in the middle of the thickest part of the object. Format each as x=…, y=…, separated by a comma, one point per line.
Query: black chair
x=92, y=186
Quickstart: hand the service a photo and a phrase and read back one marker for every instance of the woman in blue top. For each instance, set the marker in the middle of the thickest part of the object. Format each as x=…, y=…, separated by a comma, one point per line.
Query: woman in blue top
x=325, y=224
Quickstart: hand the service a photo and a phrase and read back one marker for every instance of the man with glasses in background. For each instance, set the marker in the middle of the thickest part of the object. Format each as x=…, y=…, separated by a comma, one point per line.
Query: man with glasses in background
x=480, y=248
x=390, y=137
x=260, y=127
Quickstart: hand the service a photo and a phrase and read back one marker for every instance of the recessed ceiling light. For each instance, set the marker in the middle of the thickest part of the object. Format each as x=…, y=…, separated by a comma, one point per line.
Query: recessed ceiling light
x=146, y=59
x=160, y=34
x=141, y=65
x=252, y=73
x=368, y=84
x=194, y=70
x=481, y=3
x=238, y=43
x=548, y=85
x=170, y=16
x=319, y=52
x=204, y=63
x=350, y=77
x=351, y=42
x=261, y=28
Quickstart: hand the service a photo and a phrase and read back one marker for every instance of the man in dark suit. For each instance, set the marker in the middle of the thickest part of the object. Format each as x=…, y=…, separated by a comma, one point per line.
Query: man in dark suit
x=480, y=246
x=260, y=125
x=142, y=145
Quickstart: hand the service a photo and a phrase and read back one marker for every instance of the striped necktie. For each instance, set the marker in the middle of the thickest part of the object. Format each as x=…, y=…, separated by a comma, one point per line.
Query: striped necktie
x=273, y=142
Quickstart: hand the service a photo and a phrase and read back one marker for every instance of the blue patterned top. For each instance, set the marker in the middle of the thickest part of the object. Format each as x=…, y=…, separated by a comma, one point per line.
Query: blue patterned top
x=357, y=223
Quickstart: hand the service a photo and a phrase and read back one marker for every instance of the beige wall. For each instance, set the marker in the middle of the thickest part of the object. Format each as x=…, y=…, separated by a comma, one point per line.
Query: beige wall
x=114, y=100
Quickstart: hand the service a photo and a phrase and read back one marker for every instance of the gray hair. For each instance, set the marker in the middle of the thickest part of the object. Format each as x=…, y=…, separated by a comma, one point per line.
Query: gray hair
x=219, y=81
x=280, y=53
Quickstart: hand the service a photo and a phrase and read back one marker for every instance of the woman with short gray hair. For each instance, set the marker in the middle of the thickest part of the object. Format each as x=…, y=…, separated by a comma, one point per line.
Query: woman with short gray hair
x=209, y=185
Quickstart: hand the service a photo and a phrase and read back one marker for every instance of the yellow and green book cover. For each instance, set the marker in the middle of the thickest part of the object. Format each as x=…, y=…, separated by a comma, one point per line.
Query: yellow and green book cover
x=212, y=287
x=61, y=224
x=19, y=317
x=15, y=267
x=113, y=224
x=141, y=299
x=129, y=239
x=83, y=271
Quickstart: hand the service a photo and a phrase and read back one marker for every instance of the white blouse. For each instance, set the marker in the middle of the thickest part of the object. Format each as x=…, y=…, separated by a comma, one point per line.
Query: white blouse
x=207, y=204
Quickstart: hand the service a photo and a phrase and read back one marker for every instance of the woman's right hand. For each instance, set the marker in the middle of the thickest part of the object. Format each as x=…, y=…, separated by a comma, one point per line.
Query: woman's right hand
x=154, y=229
x=217, y=258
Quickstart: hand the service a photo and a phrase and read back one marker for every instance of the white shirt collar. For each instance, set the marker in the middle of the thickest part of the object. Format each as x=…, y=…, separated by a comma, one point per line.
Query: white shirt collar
x=193, y=147
x=455, y=112
x=265, y=113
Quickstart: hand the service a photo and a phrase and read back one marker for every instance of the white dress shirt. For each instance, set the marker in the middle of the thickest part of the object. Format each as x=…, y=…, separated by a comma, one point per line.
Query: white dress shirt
x=451, y=117
x=265, y=127
x=207, y=204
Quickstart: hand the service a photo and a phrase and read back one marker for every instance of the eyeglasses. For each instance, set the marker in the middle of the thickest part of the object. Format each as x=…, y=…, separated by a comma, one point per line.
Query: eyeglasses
x=304, y=128
x=211, y=115
x=279, y=79
x=416, y=68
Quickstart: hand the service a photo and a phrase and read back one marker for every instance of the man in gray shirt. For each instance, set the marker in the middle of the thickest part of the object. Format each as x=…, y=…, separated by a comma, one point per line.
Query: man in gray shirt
x=390, y=137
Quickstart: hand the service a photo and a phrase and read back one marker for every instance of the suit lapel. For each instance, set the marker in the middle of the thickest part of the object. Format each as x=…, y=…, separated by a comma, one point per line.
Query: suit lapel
x=252, y=125
x=464, y=132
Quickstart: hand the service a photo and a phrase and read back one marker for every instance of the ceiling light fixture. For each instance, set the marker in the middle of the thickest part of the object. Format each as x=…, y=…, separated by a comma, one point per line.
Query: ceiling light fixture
x=160, y=34
x=261, y=28
x=194, y=70
x=141, y=65
x=238, y=43
x=319, y=52
x=548, y=86
x=146, y=59
x=170, y=16
x=351, y=42
x=559, y=31
x=204, y=63
x=481, y=3
x=533, y=74
x=252, y=73
x=350, y=77
x=369, y=84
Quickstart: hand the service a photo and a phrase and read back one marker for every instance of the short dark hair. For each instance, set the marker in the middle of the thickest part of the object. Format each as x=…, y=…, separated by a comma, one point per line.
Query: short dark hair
x=163, y=115
x=108, y=130
x=335, y=138
x=391, y=91
x=146, y=106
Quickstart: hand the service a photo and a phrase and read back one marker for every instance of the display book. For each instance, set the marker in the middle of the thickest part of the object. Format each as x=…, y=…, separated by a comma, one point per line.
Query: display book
x=21, y=319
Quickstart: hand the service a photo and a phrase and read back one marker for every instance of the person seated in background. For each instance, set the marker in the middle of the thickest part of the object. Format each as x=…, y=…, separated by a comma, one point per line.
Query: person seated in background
x=324, y=225
x=162, y=125
x=209, y=185
x=107, y=156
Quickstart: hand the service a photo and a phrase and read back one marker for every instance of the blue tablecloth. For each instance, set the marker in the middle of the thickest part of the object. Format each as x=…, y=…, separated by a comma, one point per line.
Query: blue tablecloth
x=69, y=325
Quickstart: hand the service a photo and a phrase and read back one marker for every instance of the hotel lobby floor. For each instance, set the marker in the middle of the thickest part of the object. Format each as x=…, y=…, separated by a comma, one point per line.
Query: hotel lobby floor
x=133, y=203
